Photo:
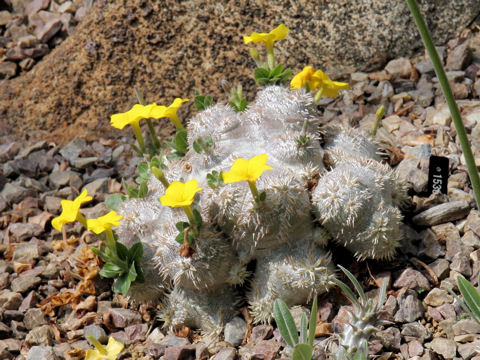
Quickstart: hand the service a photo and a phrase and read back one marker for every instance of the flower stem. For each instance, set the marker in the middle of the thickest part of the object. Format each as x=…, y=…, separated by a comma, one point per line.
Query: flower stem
x=318, y=95
x=177, y=123
x=189, y=212
x=138, y=135
x=97, y=345
x=270, y=57
x=153, y=135
x=448, y=94
x=160, y=176
x=254, y=190
x=80, y=218
x=111, y=240
x=378, y=119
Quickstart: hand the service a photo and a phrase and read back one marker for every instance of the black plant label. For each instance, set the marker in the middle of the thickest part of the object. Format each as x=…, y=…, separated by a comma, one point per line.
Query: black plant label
x=438, y=175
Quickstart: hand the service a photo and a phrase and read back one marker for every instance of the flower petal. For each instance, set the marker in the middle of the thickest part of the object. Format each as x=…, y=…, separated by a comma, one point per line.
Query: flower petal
x=279, y=33
x=191, y=188
x=93, y=355
x=238, y=172
x=114, y=348
x=302, y=77
x=256, y=166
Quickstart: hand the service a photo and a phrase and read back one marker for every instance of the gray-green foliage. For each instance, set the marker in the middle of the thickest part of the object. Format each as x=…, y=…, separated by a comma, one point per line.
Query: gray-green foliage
x=471, y=298
x=363, y=321
x=302, y=345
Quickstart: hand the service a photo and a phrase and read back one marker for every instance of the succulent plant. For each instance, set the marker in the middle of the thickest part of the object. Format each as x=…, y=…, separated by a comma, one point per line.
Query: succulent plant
x=355, y=202
x=363, y=321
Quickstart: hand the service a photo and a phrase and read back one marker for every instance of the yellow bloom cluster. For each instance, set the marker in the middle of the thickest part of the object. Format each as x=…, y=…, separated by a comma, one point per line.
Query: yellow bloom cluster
x=317, y=80
x=151, y=111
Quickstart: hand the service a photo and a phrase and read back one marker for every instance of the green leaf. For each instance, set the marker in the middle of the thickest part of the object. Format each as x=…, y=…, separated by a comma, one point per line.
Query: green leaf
x=348, y=293
x=131, y=191
x=302, y=352
x=470, y=296
x=262, y=196
x=197, y=147
x=202, y=102
x=180, y=238
x=355, y=283
x=157, y=162
x=111, y=271
x=312, y=325
x=303, y=329
x=122, y=285
x=136, y=253
x=113, y=201
x=132, y=273
x=182, y=225
x=122, y=251
x=276, y=71
x=143, y=190
x=208, y=141
x=180, y=139
x=142, y=169
x=100, y=254
x=140, y=275
x=198, y=218
x=190, y=237
x=174, y=156
x=285, y=322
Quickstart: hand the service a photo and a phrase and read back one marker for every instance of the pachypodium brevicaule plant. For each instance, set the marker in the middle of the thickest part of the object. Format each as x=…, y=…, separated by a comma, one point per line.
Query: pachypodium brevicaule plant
x=363, y=322
x=233, y=191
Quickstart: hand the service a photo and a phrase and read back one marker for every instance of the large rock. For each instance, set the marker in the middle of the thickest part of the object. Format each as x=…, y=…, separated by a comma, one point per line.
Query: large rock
x=170, y=48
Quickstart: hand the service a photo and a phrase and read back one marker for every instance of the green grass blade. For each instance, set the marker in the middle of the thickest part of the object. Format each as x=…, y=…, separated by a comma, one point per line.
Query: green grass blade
x=313, y=322
x=285, y=323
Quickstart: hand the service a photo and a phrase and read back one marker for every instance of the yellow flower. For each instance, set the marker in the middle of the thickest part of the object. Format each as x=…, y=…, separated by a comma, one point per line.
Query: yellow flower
x=109, y=352
x=320, y=80
x=317, y=80
x=302, y=78
x=170, y=112
x=104, y=222
x=70, y=211
x=279, y=33
x=134, y=115
x=180, y=194
x=243, y=169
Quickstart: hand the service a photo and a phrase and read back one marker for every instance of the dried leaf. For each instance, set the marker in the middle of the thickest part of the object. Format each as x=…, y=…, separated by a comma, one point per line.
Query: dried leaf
x=324, y=329
x=75, y=354
x=88, y=304
x=85, y=320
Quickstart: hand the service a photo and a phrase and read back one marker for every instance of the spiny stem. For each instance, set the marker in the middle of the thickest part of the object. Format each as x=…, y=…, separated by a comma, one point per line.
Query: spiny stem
x=448, y=94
